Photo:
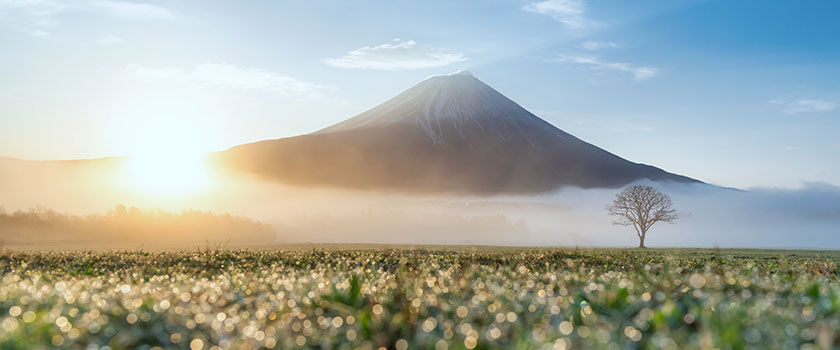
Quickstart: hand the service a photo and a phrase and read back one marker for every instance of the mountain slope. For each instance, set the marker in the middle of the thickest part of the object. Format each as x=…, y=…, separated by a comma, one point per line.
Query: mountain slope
x=449, y=133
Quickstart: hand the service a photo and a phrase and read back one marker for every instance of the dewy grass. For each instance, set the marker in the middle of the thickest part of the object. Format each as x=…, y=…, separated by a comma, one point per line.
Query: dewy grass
x=419, y=299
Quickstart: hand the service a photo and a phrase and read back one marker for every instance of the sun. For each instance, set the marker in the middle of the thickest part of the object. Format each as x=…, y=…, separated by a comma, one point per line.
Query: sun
x=168, y=173
x=166, y=142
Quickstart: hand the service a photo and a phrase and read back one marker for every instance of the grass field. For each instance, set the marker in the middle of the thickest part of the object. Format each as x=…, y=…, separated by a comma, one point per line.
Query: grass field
x=434, y=298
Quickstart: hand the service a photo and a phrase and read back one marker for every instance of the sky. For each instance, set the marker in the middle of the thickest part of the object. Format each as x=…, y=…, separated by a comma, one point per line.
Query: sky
x=743, y=94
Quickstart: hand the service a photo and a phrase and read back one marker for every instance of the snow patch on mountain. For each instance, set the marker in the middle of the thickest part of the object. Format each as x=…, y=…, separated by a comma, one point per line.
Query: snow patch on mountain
x=460, y=72
x=455, y=101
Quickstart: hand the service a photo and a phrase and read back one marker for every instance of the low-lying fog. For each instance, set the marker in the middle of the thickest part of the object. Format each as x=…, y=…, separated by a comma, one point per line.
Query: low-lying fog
x=808, y=217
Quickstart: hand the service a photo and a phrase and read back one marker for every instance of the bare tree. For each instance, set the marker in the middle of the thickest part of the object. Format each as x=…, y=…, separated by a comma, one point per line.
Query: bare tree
x=641, y=206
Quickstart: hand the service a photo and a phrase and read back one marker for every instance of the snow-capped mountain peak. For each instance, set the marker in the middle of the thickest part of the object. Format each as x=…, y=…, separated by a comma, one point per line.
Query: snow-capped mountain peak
x=444, y=105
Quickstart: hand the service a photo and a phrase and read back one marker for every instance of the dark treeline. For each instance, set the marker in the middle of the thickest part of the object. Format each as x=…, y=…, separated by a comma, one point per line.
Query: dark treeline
x=130, y=225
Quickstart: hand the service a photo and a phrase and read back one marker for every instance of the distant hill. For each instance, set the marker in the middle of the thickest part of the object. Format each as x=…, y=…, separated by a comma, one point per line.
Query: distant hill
x=43, y=226
x=448, y=134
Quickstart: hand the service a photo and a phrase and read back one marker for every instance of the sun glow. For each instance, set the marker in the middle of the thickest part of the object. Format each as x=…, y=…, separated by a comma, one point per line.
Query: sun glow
x=167, y=141
x=173, y=173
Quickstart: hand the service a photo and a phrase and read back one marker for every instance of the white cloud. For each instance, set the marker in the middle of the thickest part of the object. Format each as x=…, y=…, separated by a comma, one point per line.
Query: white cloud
x=34, y=16
x=128, y=10
x=109, y=40
x=111, y=8
x=805, y=106
x=568, y=12
x=46, y=22
x=598, y=45
x=399, y=55
x=40, y=33
x=33, y=7
x=228, y=76
x=638, y=72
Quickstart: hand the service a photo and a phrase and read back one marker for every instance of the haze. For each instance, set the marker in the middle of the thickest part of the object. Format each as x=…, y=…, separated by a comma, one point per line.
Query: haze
x=759, y=218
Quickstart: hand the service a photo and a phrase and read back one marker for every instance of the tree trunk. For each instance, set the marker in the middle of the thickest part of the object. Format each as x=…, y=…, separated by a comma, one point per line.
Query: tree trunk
x=642, y=240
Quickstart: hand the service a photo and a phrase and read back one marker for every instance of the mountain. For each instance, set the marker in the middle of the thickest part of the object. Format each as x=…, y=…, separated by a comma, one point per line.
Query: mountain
x=449, y=133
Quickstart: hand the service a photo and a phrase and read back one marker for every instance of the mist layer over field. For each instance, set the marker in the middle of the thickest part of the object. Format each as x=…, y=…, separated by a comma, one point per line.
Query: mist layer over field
x=710, y=216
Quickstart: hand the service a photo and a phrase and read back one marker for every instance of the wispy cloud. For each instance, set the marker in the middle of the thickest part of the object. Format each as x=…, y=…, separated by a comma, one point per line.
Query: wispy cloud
x=128, y=10
x=35, y=7
x=33, y=17
x=38, y=17
x=569, y=12
x=112, y=8
x=595, y=63
x=109, y=40
x=40, y=33
x=228, y=76
x=399, y=55
x=598, y=45
x=805, y=106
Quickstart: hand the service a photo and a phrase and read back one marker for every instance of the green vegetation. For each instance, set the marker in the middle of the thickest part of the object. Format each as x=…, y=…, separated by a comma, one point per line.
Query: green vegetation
x=443, y=299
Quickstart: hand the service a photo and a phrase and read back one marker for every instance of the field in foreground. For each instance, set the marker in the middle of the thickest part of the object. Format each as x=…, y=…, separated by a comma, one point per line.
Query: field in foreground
x=420, y=299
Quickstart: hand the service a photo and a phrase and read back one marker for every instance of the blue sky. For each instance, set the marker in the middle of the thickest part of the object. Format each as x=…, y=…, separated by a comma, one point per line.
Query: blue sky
x=737, y=93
